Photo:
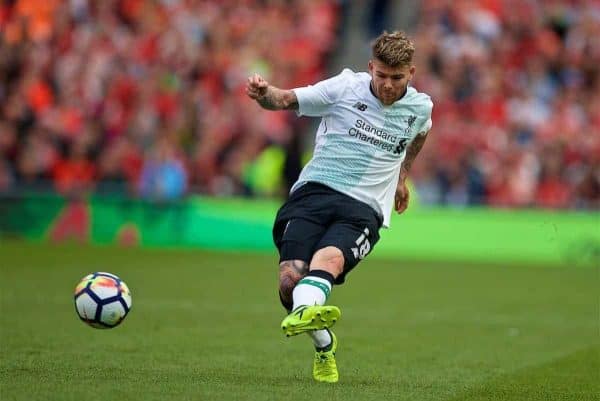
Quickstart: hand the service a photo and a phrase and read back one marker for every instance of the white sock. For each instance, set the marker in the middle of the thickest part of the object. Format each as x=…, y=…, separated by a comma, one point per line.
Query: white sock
x=313, y=290
x=321, y=338
x=310, y=291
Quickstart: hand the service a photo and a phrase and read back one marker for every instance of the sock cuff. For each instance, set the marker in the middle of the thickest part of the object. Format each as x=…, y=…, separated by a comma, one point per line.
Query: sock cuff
x=325, y=275
x=327, y=347
x=317, y=282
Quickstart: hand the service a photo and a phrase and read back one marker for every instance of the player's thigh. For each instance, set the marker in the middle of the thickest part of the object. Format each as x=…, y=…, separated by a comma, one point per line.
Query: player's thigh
x=301, y=222
x=296, y=239
x=355, y=239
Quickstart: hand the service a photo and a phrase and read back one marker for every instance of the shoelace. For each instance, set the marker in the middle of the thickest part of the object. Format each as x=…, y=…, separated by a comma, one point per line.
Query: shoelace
x=323, y=367
x=322, y=357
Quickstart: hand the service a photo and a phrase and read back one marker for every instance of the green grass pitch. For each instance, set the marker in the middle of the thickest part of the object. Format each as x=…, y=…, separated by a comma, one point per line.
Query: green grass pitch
x=205, y=326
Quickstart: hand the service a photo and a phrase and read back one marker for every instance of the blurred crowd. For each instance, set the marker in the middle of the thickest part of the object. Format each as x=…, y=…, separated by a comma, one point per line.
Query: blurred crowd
x=516, y=91
x=145, y=97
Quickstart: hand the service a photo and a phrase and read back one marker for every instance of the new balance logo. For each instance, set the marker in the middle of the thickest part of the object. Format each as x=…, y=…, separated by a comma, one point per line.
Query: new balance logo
x=360, y=106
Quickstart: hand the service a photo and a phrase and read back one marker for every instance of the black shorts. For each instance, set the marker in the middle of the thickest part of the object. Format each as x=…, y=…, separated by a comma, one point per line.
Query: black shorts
x=316, y=216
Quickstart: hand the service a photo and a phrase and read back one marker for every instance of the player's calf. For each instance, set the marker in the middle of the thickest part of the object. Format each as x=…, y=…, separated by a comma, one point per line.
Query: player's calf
x=290, y=273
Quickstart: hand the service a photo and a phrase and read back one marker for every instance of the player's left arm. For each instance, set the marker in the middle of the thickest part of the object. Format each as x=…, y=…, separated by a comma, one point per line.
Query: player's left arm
x=402, y=193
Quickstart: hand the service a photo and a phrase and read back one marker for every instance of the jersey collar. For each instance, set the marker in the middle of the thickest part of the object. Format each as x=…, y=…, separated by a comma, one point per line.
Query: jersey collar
x=376, y=98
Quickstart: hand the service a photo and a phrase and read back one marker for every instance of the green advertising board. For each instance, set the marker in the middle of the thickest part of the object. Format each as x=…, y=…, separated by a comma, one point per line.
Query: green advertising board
x=428, y=234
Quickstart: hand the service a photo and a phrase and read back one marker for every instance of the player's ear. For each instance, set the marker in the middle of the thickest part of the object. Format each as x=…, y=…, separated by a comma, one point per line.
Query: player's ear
x=412, y=71
x=371, y=66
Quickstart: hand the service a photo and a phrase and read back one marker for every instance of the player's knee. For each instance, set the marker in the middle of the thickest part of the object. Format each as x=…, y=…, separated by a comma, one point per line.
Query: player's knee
x=330, y=259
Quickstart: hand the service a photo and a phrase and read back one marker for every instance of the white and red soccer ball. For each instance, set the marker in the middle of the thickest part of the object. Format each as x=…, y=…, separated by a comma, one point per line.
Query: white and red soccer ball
x=102, y=300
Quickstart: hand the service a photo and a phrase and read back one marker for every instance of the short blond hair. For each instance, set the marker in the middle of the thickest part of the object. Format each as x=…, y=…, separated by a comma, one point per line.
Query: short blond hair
x=393, y=49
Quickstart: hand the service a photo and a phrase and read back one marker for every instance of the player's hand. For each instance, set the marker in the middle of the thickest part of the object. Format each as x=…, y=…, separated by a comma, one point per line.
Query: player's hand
x=402, y=196
x=256, y=87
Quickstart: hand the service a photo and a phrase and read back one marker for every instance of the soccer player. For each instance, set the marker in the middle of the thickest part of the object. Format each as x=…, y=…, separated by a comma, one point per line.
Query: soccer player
x=373, y=125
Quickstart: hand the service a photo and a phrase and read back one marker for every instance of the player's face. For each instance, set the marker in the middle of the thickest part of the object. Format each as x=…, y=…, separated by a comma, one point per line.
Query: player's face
x=389, y=83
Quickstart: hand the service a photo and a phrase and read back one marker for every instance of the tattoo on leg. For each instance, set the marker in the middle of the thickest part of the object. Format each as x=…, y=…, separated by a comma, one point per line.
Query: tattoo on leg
x=298, y=266
x=290, y=272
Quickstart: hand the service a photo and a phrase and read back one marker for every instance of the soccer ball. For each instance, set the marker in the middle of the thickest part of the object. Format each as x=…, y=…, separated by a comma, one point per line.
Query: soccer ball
x=102, y=300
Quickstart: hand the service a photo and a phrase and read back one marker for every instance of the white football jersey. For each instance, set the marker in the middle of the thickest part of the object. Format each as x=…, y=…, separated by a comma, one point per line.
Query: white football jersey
x=361, y=143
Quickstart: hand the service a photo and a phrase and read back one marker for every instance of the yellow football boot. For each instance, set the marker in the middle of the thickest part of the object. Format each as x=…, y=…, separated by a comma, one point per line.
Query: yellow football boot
x=307, y=318
x=324, y=366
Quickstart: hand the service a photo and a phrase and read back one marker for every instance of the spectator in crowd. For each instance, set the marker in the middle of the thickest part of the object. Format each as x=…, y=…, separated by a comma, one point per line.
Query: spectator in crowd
x=163, y=176
x=123, y=74
x=513, y=86
x=100, y=83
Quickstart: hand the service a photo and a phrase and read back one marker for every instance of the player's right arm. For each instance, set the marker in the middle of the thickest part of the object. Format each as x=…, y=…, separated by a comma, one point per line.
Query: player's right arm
x=269, y=96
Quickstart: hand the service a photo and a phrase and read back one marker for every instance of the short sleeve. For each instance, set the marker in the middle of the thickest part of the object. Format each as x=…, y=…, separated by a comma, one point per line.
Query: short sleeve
x=317, y=100
x=425, y=127
x=427, y=123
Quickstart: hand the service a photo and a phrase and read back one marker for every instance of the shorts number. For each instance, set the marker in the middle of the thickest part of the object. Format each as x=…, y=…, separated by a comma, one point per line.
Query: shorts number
x=363, y=246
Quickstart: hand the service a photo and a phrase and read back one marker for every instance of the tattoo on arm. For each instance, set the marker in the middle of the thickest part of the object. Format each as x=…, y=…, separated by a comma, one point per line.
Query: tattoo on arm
x=411, y=153
x=279, y=99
